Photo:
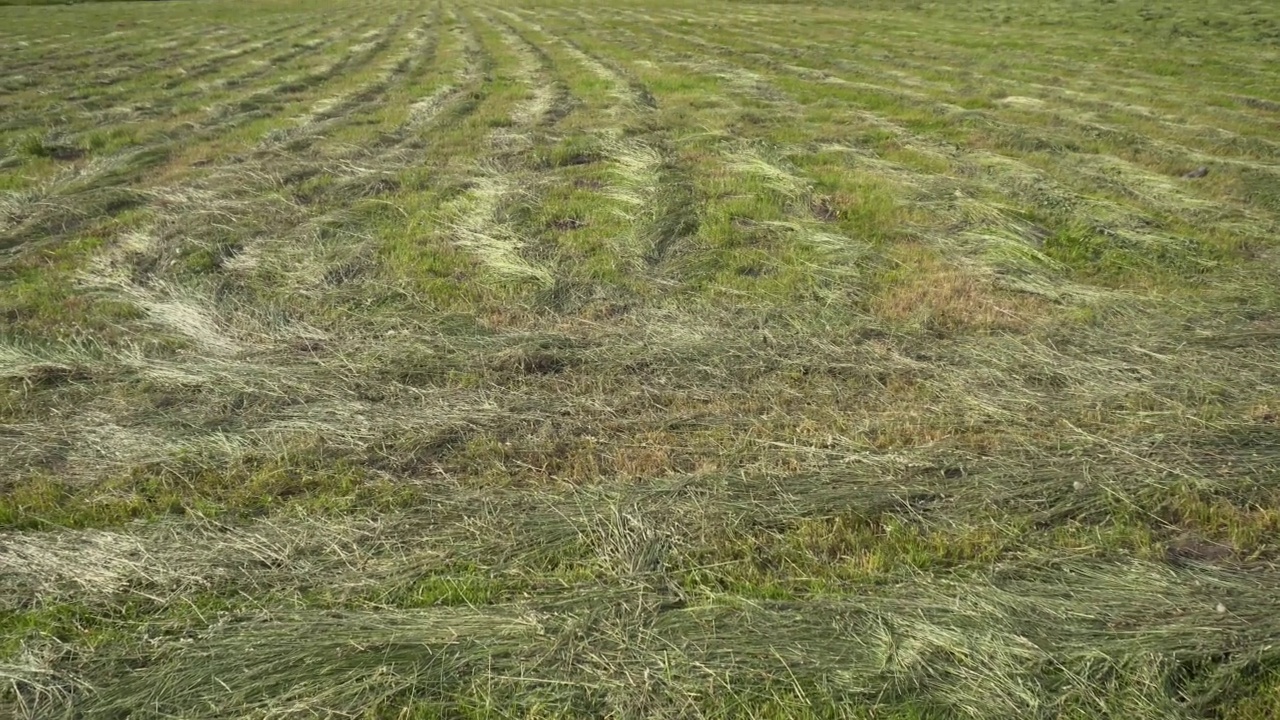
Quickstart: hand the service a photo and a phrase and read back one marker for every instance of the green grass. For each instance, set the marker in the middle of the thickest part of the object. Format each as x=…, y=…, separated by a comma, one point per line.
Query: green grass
x=727, y=360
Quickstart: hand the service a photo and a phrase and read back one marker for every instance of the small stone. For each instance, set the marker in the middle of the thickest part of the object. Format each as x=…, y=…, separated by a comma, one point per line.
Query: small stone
x=1222, y=609
x=1077, y=485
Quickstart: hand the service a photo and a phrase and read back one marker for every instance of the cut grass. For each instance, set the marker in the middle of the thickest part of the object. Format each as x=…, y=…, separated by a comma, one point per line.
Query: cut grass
x=643, y=360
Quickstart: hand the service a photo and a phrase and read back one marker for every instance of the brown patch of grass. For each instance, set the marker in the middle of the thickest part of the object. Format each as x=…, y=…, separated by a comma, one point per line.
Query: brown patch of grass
x=938, y=297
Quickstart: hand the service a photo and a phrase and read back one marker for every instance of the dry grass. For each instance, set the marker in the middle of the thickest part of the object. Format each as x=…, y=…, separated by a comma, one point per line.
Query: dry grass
x=948, y=300
x=428, y=360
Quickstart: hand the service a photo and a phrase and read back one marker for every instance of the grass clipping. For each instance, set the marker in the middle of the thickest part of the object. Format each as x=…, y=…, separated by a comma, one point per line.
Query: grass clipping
x=1136, y=640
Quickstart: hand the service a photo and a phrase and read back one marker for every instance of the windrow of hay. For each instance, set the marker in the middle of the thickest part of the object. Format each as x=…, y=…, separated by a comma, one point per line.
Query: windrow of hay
x=1063, y=638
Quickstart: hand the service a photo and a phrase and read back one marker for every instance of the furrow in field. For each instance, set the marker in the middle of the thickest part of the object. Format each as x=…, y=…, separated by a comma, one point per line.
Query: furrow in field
x=1195, y=145
x=450, y=63
x=288, y=401
x=313, y=42
x=991, y=639
x=217, y=62
x=115, y=53
x=104, y=77
x=221, y=327
x=681, y=226
x=632, y=95
x=994, y=231
x=144, y=99
x=648, y=187
x=161, y=80
x=365, y=50
x=1128, y=181
x=548, y=100
x=184, y=314
x=476, y=221
x=681, y=522
x=69, y=199
x=227, y=334
x=161, y=54
x=132, y=102
x=425, y=109
x=48, y=89
x=142, y=103
x=334, y=110
x=312, y=254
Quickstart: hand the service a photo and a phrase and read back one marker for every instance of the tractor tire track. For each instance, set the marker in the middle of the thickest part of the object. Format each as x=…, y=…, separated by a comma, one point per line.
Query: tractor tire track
x=652, y=185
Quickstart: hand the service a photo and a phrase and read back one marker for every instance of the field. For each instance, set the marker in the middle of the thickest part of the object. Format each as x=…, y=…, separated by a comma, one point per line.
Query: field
x=638, y=359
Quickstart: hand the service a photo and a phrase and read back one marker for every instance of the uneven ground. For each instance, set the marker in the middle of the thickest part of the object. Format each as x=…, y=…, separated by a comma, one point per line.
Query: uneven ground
x=406, y=359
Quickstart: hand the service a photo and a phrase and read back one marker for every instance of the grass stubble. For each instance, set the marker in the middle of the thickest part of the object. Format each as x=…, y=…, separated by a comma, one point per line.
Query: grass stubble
x=641, y=360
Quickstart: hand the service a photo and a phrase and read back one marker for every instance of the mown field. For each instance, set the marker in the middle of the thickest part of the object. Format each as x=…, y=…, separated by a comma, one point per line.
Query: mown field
x=639, y=359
